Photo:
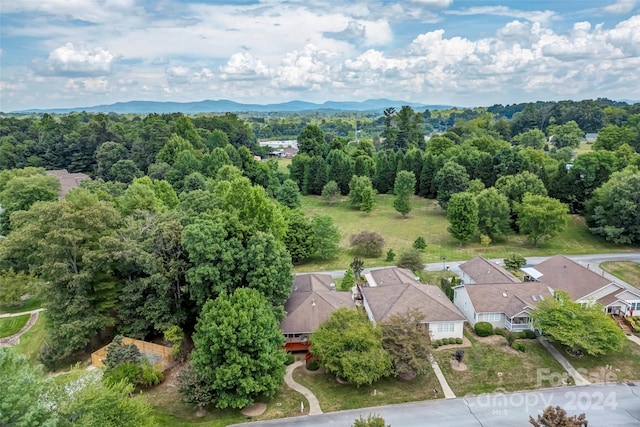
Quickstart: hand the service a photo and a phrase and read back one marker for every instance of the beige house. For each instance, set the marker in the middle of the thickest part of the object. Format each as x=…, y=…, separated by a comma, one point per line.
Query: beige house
x=504, y=305
x=585, y=285
x=482, y=271
x=396, y=290
x=313, y=299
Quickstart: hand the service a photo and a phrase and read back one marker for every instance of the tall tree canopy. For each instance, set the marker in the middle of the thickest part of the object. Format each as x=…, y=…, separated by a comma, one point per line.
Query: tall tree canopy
x=238, y=348
x=541, y=217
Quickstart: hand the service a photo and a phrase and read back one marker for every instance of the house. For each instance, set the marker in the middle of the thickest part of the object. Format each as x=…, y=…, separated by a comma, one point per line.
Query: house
x=313, y=298
x=584, y=285
x=480, y=270
x=504, y=305
x=68, y=181
x=396, y=290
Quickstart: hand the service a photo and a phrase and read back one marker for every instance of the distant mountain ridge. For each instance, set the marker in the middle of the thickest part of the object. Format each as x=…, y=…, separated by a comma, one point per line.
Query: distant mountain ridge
x=225, y=105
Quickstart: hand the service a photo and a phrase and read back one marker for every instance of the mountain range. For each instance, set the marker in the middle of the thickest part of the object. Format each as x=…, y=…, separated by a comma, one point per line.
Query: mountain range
x=224, y=105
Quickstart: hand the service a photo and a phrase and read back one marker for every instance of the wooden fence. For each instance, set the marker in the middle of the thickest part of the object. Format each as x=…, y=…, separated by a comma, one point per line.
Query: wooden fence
x=148, y=349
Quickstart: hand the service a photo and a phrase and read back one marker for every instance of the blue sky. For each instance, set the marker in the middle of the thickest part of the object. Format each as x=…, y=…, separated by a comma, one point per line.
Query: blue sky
x=70, y=53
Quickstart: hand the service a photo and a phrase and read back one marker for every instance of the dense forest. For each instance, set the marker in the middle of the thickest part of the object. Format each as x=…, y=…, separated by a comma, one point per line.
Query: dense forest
x=181, y=210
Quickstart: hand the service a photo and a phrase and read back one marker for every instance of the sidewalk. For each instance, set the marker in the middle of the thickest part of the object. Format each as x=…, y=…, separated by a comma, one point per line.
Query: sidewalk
x=634, y=338
x=314, y=405
x=37, y=310
x=444, y=385
x=579, y=379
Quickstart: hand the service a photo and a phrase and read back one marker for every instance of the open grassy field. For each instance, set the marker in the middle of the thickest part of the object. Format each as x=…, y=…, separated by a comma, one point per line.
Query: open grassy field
x=334, y=396
x=625, y=364
x=493, y=366
x=170, y=410
x=627, y=271
x=429, y=221
x=11, y=325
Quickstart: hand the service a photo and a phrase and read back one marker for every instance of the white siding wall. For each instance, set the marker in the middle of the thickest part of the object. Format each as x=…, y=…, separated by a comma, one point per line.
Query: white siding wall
x=484, y=317
x=365, y=304
x=463, y=302
x=458, y=327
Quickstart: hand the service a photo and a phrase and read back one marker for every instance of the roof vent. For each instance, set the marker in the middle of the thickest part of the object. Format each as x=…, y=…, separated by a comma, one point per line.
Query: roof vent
x=504, y=294
x=332, y=286
x=541, y=297
x=313, y=302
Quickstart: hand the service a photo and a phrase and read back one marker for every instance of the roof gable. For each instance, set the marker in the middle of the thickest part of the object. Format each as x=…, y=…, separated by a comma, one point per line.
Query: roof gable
x=386, y=301
x=564, y=274
x=507, y=298
x=481, y=271
x=392, y=276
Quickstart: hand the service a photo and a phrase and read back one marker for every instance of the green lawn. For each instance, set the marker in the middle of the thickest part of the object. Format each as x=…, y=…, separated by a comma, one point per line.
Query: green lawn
x=334, y=396
x=429, y=221
x=627, y=271
x=11, y=325
x=31, y=342
x=28, y=305
x=493, y=366
x=625, y=364
x=170, y=410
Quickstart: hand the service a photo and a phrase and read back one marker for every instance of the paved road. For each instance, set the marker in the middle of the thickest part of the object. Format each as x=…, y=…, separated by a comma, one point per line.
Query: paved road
x=591, y=260
x=616, y=405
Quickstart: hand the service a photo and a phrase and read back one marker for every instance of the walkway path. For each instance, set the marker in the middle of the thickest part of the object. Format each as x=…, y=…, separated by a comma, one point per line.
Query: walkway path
x=314, y=405
x=634, y=338
x=14, y=339
x=444, y=385
x=37, y=310
x=577, y=378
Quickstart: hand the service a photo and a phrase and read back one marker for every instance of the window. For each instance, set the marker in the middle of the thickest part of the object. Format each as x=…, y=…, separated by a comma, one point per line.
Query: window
x=635, y=306
x=446, y=327
x=491, y=317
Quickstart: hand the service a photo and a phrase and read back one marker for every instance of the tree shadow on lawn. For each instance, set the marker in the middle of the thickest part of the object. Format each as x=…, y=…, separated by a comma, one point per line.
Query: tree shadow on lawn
x=334, y=396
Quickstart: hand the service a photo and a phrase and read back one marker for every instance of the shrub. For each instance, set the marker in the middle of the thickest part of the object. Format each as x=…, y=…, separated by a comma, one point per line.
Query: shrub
x=137, y=374
x=458, y=340
x=150, y=376
x=313, y=365
x=528, y=334
x=390, y=255
x=412, y=260
x=439, y=342
x=519, y=346
x=446, y=341
x=511, y=337
x=367, y=243
x=483, y=329
x=500, y=331
x=290, y=359
x=435, y=345
x=419, y=244
x=118, y=353
x=514, y=262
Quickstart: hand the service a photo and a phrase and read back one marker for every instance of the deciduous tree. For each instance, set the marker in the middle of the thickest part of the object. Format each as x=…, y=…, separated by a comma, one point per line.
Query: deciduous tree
x=350, y=346
x=583, y=328
x=238, y=348
x=406, y=338
x=403, y=189
x=541, y=217
x=462, y=214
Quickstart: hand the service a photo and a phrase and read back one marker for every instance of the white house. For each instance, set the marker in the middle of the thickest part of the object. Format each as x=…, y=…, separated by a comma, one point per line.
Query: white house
x=394, y=291
x=585, y=285
x=504, y=305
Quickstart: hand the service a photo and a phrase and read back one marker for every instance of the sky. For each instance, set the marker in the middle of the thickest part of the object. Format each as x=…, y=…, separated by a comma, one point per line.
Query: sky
x=73, y=53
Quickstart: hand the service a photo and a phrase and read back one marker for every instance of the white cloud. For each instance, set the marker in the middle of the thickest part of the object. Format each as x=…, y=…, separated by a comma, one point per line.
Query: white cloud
x=243, y=66
x=620, y=7
x=79, y=61
x=530, y=15
x=434, y=3
x=307, y=69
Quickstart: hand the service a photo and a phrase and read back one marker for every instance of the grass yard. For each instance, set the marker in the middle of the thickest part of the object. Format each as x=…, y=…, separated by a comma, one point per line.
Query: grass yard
x=28, y=305
x=627, y=271
x=171, y=411
x=11, y=325
x=625, y=365
x=283, y=165
x=31, y=342
x=493, y=366
x=429, y=221
x=334, y=396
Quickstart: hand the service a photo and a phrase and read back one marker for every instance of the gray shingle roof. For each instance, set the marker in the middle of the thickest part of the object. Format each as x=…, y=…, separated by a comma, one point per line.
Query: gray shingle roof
x=482, y=270
x=561, y=273
x=490, y=298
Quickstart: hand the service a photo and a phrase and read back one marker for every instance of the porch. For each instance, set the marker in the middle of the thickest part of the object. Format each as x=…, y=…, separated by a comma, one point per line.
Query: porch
x=517, y=323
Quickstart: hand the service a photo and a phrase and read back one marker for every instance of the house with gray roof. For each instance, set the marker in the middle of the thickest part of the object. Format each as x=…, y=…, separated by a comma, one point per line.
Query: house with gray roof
x=394, y=291
x=504, y=305
x=480, y=270
x=68, y=181
x=584, y=285
x=313, y=298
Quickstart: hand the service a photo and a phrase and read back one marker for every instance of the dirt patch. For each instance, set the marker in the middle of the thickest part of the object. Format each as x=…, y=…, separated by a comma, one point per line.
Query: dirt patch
x=407, y=376
x=254, y=409
x=458, y=366
x=492, y=339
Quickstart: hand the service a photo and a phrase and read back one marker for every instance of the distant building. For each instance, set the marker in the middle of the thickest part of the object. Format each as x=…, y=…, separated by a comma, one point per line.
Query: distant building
x=68, y=181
